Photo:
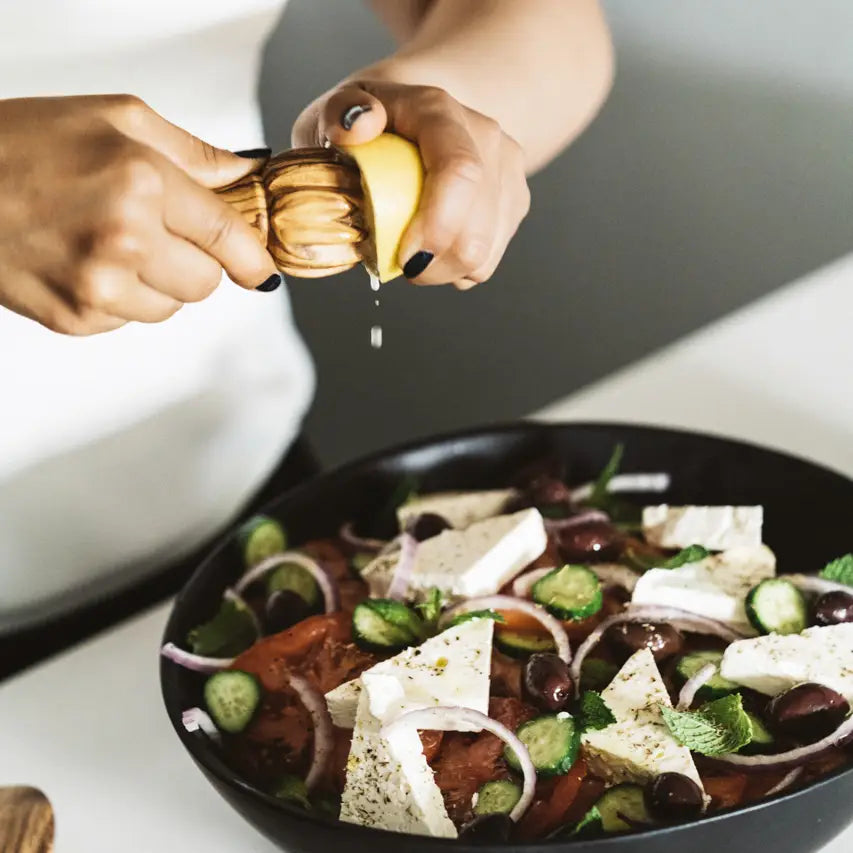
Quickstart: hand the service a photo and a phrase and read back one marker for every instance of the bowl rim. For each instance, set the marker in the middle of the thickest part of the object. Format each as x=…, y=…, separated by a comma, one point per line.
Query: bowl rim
x=199, y=747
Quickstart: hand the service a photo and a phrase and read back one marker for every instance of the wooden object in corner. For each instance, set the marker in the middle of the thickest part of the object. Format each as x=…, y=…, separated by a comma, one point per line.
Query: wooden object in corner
x=26, y=821
x=307, y=207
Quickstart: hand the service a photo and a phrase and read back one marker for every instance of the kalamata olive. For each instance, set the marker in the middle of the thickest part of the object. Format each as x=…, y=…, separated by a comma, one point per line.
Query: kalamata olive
x=833, y=608
x=488, y=829
x=547, y=683
x=595, y=540
x=547, y=491
x=663, y=640
x=807, y=712
x=673, y=796
x=283, y=609
x=427, y=525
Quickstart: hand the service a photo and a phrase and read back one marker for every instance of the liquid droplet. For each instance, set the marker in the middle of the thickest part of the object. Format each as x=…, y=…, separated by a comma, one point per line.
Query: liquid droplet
x=376, y=337
x=374, y=283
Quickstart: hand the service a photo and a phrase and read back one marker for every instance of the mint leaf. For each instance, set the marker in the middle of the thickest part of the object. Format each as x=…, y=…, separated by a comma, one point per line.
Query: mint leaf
x=840, y=570
x=229, y=632
x=599, y=495
x=594, y=713
x=476, y=614
x=717, y=728
x=589, y=824
x=691, y=554
x=430, y=609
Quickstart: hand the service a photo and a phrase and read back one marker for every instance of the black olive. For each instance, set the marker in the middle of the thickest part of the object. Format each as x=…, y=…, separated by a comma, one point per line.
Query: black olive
x=674, y=797
x=807, y=712
x=427, y=525
x=833, y=608
x=284, y=608
x=662, y=640
x=590, y=542
x=487, y=829
x=547, y=683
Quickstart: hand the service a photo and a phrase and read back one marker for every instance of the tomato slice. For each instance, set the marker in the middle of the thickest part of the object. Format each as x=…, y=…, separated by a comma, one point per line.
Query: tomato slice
x=725, y=791
x=549, y=810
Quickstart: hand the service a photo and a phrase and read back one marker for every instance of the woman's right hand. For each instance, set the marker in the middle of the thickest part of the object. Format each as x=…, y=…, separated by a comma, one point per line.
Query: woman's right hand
x=105, y=216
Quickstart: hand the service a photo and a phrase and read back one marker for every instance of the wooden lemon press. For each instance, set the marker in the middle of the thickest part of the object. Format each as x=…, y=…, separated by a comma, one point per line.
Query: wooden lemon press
x=307, y=205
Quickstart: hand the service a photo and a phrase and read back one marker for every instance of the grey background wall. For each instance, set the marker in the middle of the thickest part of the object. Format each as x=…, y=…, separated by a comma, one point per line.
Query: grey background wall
x=721, y=168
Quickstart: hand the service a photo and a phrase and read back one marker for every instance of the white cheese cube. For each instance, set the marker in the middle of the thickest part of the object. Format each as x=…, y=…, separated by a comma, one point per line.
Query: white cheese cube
x=452, y=668
x=715, y=587
x=467, y=563
x=775, y=663
x=714, y=527
x=393, y=790
x=638, y=746
x=458, y=509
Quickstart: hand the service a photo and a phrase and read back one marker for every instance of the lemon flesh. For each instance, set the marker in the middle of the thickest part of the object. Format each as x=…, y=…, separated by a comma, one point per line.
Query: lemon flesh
x=392, y=176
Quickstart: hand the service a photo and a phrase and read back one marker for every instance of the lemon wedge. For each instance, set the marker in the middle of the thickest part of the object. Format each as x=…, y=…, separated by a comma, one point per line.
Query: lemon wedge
x=392, y=176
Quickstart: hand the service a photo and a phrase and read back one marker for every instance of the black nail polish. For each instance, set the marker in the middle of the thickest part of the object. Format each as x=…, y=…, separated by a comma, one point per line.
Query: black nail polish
x=417, y=264
x=352, y=113
x=254, y=153
x=270, y=284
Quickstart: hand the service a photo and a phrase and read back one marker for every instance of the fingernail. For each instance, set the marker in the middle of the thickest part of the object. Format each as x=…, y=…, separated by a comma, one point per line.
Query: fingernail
x=254, y=153
x=352, y=113
x=270, y=284
x=417, y=264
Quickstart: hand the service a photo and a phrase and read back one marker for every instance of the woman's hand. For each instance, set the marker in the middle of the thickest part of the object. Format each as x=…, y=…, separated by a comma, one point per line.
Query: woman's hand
x=104, y=215
x=475, y=191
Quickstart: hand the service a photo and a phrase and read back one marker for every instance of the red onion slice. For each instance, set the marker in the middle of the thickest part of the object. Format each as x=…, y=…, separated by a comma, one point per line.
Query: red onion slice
x=197, y=663
x=324, y=743
x=405, y=566
x=626, y=483
x=692, y=685
x=586, y=517
x=680, y=619
x=522, y=585
x=791, y=759
x=785, y=782
x=195, y=720
x=447, y=718
x=615, y=574
x=507, y=602
x=360, y=543
x=240, y=602
x=816, y=585
x=327, y=586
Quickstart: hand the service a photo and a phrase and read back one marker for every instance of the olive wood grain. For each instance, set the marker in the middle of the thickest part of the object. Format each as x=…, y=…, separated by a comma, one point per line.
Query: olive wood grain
x=26, y=821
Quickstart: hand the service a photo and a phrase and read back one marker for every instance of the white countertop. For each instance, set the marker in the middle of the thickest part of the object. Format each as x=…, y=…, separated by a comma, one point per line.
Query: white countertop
x=89, y=728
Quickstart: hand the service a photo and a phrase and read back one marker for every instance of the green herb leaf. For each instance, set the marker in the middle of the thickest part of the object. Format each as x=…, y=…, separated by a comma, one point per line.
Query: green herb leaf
x=599, y=490
x=476, y=614
x=293, y=790
x=229, y=632
x=840, y=570
x=430, y=609
x=594, y=713
x=644, y=562
x=589, y=824
x=717, y=728
x=596, y=673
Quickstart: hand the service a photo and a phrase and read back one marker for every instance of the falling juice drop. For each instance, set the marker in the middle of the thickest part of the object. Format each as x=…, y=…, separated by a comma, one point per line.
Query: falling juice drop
x=376, y=337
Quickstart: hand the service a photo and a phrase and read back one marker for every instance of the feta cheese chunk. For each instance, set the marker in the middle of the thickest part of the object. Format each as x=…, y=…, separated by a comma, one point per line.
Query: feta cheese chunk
x=777, y=662
x=715, y=587
x=391, y=790
x=714, y=527
x=467, y=563
x=452, y=668
x=638, y=746
x=458, y=509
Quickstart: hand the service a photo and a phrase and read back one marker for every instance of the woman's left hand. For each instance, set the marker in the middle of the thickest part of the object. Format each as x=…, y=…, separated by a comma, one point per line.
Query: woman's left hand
x=475, y=188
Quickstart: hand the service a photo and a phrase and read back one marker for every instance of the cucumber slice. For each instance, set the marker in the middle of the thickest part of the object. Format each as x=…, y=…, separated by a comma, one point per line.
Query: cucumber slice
x=359, y=561
x=292, y=789
x=716, y=687
x=520, y=644
x=553, y=741
x=596, y=673
x=573, y=592
x=293, y=578
x=498, y=797
x=261, y=537
x=623, y=801
x=762, y=739
x=383, y=625
x=232, y=697
x=776, y=606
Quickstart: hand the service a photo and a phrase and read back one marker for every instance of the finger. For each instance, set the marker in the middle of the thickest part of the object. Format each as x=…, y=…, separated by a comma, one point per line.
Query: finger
x=179, y=269
x=207, y=164
x=200, y=216
x=351, y=116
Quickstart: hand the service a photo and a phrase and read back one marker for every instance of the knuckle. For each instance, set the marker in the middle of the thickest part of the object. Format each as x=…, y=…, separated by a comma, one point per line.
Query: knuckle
x=92, y=288
x=463, y=166
x=129, y=109
x=433, y=97
x=118, y=240
x=218, y=231
x=472, y=252
x=137, y=175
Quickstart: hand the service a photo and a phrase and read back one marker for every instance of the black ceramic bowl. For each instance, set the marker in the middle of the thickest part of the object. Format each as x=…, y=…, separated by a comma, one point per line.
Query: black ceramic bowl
x=808, y=521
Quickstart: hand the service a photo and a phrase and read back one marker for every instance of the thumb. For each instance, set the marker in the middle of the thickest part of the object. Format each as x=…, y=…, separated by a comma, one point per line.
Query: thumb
x=205, y=163
x=351, y=116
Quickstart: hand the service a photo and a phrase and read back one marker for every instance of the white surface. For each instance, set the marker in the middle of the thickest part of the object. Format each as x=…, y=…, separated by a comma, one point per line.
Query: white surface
x=89, y=727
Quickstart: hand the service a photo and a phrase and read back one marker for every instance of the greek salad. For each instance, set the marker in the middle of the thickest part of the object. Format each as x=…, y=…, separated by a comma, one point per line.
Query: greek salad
x=529, y=663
